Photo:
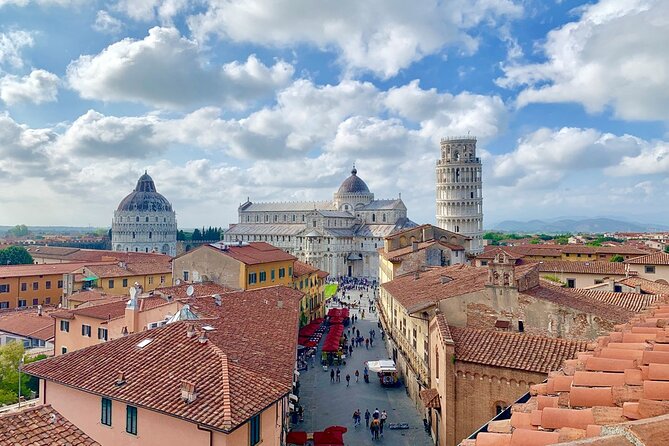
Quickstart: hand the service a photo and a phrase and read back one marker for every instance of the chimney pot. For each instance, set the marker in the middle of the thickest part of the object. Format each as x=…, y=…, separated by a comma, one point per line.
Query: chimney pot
x=190, y=332
x=279, y=304
x=188, y=394
x=203, y=337
x=120, y=378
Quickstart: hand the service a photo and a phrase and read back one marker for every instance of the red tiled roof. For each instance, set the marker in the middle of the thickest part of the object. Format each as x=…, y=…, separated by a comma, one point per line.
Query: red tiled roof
x=103, y=271
x=199, y=289
x=92, y=255
x=28, y=323
x=658, y=258
x=40, y=426
x=88, y=296
x=513, y=350
x=253, y=253
x=585, y=249
x=430, y=398
x=246, y=364
x=397, y=254
x=110, y=310
x=520, y=251
x=301, y=269
x=420, y=288
x=631, y=301
x=595, y=267
x=38, y=270
x=444, y=328
x=645, y=285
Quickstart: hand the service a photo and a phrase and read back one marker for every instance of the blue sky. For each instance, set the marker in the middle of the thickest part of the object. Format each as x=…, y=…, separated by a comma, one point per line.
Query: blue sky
x=275, y=100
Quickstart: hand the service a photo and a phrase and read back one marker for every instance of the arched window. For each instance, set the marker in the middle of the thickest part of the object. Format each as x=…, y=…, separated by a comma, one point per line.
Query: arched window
x=500, y=406
x=137, y=219
x=373, y=217
x=147, y=220
x=384, y=218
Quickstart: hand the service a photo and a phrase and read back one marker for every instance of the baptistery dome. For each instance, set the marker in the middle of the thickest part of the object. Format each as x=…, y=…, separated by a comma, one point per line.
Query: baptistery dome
x=145, y=197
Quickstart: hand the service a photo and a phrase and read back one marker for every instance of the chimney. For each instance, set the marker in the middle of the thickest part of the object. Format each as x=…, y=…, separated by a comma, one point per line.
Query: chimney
x=203, y=337
x=190, y=332
x=132, y=312
x=188, y=394
x=39, y=310
x=416, y=275
x=279, y=304
x=122, y=264
x=120, y=378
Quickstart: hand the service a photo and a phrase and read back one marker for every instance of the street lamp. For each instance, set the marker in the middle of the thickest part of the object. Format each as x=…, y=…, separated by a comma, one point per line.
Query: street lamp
x=20, y=365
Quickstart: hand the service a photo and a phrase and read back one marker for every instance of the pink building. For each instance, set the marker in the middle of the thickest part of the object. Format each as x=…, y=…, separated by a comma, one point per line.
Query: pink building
x=220, y=380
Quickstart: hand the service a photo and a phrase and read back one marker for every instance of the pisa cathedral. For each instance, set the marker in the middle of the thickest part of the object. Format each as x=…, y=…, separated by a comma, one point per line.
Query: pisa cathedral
x=341, y=236
x=144, y=221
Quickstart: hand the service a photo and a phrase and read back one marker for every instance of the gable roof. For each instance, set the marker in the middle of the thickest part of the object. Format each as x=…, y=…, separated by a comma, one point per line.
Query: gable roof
x=520, y=351
x=396, y=255
x=121, y=269
x=594, y=267
x=657, y=258
x=110, y=310
x=40, y=426
x=645, y=285
x=28, y=323
x=246, y=364
x=301, y=269
x=251, y=253
x=199, y=289
x=39, y=269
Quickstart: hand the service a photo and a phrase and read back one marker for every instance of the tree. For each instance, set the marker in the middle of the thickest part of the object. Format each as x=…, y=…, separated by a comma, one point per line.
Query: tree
x=19, y=231
x=15, y=255
x=666, y=249
x=181, y=235
x=197, y=235
x=10, y=356
x=617, y=258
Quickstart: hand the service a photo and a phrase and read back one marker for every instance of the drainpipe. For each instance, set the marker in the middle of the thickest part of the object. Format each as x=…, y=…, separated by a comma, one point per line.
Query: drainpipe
x=211, y=434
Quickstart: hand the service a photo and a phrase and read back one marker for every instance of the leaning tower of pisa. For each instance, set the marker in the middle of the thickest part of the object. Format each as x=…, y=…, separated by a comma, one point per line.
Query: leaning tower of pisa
x=459, y=197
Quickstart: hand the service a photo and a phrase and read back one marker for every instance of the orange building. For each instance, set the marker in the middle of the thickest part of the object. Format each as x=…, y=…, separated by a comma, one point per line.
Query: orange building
x=116, y=278
x=311, y=281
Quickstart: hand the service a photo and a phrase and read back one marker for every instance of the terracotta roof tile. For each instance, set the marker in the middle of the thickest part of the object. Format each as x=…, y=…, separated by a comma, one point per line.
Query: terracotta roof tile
x=646, y=286
x=657, y=258
x=40, y=426
x=302, y=269
x=513, y=350
x=37, y=270
x=110, y=310
x=397, y=255
x=121, y=269
x=430, y=398
x=199, y=289
x=252, y=253
x=595, y=267
x=246, y=364
x=28, y=323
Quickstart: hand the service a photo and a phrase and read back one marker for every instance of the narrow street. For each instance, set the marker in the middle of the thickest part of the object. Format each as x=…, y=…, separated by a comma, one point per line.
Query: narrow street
x=326, y=404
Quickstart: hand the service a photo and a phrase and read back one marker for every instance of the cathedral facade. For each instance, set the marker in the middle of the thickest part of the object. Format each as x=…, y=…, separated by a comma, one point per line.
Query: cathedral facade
x=144, y=221
x=341, y=236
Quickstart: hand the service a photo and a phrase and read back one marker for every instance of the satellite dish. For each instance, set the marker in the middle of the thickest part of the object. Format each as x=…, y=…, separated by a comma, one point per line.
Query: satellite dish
x=178, y=282
x=133, y=292
x=190, y=290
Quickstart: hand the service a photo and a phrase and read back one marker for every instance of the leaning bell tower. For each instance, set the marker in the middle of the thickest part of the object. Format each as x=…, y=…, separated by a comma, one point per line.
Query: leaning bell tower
x=459, y=195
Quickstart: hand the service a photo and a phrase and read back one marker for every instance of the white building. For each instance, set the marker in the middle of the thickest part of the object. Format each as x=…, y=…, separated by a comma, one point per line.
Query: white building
x=341, y=236
x=459, y=194
x=145, y=221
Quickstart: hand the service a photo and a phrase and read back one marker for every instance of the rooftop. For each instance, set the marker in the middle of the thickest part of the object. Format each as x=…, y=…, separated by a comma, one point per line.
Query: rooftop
x=594, y=267
x=110, y=310
x=252, y=253
x=123, y=269
x=199, y=289
x=658, y=258
x=40, y=426
x=246, y=363
x=28, y=323
x=301, y=269
x=645, y=285
x=397, y=254
x=90, y=255
x=38, y=270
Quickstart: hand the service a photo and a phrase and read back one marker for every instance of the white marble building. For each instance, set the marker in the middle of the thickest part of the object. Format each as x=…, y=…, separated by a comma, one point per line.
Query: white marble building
x=341, y=236
x=145, y=221
x=459, y=190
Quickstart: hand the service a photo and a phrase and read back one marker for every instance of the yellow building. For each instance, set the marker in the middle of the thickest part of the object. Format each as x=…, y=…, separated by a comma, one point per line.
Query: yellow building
x=242, y=266
x=311, y=281
x=116, y=278
x=29, y=285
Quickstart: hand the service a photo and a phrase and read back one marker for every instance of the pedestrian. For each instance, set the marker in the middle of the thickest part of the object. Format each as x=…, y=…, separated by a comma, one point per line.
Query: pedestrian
x=367, y=416
x=332, y=374
x=376, y=415
x=367, y=343
x=366, y=375
x=374, y=427
x=371, y=342
x=355, y=418
x=357, y=376
x=384, y=417
x=348, y=379
x=350, y=351
x=338, y=373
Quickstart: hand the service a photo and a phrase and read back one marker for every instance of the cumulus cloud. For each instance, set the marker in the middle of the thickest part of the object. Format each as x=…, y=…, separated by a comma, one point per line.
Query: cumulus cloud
x=22, y=149
x=653, y=159
x=149, y=10
x=614, y=56
x=37, y=87
x=11, y=45
x=165, y=69
x=106, y=23
x=380, y=36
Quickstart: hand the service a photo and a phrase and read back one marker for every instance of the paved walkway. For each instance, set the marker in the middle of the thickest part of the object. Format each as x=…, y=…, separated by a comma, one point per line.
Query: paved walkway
x=326, y=404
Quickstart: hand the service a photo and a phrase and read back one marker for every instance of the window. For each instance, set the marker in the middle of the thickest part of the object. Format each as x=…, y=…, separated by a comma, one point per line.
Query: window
x=571, y=283
x=4, y=288
x=254, y=430
x=63, y=350
x=137, y=220
x=185, y=276
x=131, y=420
x=150, y=280
x=282, y=273
x=253, y=278
x=102, y=334
x=22, y=303
x=106, y=413
x=150, y=234
x=436, y=362
x=521, y=326
x=47, y=301
x=111, y=283
x=133, y=236
x=24, y=286
x=86, y=330
x=125, y=283
x=146, y=219
x=290, y=271
x=65, y=326
x=60, y=284
x=263, y=276
x=649, y=269
x=48, y=284
x=35, y=286
x=271, y=275
x=162, y=279
x=4, y=305
x=35, y=302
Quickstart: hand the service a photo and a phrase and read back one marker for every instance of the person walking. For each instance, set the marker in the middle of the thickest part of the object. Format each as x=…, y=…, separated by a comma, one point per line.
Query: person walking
x=367, y=343
x=350, y=351
x=374, y=427
x=366, y=375
x=356, y=418
x=376, y=415
x=332, y=374
x=338, y=373
x=348, y=380
x=383, y=418
x=367, y=417
x=357, y=376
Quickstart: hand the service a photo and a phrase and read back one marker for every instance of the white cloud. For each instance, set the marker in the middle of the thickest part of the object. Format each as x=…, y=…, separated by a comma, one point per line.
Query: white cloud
x=381, y=36
x=37, y=87
x=166, y=69
x=614, y=55
x=149, y=10
x=11, y=45
x=106, y=23
x=653, y=159
x=22, y=149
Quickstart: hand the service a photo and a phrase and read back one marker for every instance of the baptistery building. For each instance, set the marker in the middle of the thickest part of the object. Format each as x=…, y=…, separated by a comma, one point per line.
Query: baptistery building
x=144, y=221
x=341, y=236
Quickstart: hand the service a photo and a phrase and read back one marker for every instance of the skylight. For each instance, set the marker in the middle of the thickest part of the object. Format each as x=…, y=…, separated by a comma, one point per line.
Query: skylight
x=144, y=343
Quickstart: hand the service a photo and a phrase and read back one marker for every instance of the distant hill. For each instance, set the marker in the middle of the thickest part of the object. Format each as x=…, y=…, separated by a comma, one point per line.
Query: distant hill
x=585, y=225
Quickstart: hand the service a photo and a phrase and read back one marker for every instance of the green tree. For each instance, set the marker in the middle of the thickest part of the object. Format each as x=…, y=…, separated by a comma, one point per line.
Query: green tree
x=617, y=258
x=19, y=231
x=10, y=356
x=15, y=255
x=181, y=235
x=197, y=235
x=666, y=249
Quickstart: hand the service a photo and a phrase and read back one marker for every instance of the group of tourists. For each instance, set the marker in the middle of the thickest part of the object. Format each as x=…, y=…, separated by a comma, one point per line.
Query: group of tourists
x=374, y=421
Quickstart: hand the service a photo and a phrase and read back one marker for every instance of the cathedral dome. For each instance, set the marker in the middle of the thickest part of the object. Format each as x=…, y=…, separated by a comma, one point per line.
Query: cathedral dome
x=353, y=185
x=145, y=197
